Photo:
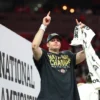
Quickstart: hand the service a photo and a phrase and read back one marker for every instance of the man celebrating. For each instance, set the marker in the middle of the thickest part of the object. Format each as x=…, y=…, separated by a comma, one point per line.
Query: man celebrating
x=56, y=68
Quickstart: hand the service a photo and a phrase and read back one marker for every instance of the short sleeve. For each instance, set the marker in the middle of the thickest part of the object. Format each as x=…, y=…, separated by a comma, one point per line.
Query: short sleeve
x=39, y=63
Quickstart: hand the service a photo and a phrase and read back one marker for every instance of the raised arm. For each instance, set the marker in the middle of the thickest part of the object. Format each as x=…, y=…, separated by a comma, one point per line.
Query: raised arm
x=37, y=52
x=80, y=56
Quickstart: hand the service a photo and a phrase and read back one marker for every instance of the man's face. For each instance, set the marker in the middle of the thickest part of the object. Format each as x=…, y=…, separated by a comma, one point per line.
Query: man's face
x=54, y=44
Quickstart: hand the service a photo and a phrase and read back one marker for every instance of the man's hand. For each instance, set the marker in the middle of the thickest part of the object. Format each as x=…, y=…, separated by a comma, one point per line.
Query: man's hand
x=47, y=19
x=80, y=24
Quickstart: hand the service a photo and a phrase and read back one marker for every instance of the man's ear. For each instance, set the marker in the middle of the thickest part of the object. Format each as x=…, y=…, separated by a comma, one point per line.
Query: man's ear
x=47, y=44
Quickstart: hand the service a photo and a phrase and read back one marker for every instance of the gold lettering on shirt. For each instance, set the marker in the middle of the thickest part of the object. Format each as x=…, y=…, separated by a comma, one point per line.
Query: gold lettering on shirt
x=61, y=61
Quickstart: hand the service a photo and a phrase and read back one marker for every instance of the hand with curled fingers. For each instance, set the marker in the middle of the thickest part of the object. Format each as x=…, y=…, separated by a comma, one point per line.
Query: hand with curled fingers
x=80, y=24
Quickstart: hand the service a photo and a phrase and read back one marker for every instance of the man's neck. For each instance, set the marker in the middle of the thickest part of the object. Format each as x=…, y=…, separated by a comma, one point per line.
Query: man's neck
x=54, y=51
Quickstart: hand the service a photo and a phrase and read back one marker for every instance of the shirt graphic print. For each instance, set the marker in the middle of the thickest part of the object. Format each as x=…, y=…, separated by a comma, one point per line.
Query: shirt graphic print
x=60, y=62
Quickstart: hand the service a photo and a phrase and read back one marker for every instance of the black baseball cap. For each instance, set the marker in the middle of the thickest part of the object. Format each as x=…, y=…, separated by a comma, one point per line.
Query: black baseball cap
x=53, y=35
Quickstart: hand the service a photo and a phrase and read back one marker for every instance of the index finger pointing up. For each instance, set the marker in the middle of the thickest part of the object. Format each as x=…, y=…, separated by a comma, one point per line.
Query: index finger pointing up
x=48, y=13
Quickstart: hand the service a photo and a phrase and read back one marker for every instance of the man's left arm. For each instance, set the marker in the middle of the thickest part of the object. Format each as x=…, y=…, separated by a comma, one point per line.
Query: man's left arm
x=80, y=57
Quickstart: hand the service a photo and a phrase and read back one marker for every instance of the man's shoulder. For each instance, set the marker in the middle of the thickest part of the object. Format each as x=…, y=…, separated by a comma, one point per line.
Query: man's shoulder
x=44, y=51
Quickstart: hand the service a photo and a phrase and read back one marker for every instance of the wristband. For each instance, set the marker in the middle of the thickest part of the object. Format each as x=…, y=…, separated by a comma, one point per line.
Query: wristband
x=43, y=27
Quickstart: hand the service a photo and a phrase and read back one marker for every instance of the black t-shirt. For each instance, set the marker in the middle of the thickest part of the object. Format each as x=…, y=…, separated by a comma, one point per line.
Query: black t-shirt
x=57, y=76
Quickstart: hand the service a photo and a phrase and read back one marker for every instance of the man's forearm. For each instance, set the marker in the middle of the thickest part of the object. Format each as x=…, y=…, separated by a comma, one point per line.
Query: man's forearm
x=38, y=38
x=80, y=57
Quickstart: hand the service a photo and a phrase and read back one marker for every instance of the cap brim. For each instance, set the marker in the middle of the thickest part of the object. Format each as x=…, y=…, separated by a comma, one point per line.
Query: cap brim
x=56, y=36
